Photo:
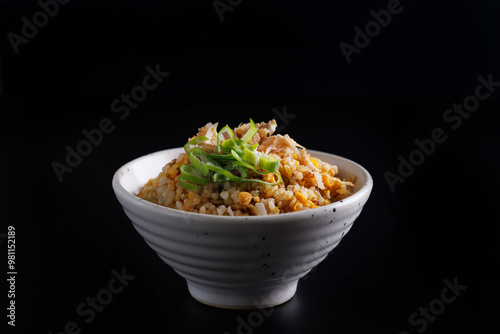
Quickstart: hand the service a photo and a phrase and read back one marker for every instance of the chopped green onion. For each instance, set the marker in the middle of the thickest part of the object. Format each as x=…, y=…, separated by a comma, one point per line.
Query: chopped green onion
x=204, y=163
x=241, y=169
x=191, y=174
x=228, y=143
x=193, y=143
x=219, y=178
x=187, y=185
x=261, y=160
x=221, y=157
x=230, y=176
x=250, y=133
x=232, y=155
x=199, y=158
x=252, y=147
x=228, y=146
x=221, y=134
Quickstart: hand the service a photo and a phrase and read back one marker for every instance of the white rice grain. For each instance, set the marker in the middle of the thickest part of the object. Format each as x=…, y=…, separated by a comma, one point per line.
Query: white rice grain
x=261, y=208
x=224, y=194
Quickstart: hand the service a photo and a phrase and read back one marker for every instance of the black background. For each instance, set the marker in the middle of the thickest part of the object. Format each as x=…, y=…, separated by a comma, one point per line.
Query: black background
x=441, y=223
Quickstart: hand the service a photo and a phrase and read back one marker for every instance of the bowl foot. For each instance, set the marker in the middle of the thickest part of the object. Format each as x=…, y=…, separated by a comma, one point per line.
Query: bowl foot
x=242, y=298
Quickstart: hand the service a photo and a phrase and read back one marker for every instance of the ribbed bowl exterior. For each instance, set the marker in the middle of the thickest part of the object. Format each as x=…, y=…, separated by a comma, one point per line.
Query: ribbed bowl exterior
x=236, y=256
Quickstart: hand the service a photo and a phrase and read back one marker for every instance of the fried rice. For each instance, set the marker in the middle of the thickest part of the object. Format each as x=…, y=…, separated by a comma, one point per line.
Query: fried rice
x=307, y=182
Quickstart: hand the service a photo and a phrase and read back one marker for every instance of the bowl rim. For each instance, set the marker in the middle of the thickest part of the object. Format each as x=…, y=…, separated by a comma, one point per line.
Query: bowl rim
x=122, y=193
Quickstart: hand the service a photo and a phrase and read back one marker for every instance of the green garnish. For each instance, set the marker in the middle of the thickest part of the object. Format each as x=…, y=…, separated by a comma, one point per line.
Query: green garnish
x=261, y=160
x=191, y=174
x=250, y=133
x=233, y=154
x=192, y=143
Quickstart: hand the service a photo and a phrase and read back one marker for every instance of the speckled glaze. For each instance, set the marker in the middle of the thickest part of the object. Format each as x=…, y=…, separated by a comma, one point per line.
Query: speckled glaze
x=239, y=262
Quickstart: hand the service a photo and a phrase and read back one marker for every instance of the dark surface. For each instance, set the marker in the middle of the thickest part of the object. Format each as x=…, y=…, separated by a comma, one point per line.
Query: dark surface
x=441, y=223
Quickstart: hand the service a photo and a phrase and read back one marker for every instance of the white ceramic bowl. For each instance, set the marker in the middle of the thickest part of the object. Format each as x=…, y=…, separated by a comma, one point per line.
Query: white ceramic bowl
x=239, y=262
